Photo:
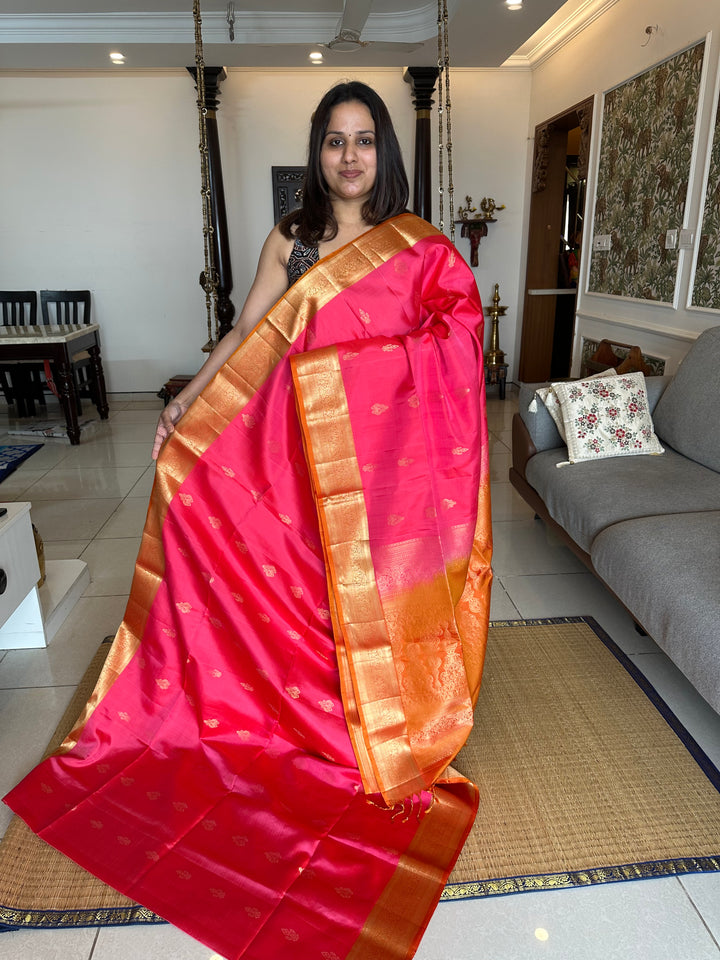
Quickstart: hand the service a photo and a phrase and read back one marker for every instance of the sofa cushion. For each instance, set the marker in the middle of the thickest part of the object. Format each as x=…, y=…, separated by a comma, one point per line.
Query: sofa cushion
x=536, y=417
x=687, y=416
x=541, y=426
x=606, y=417
x=549, y=397
x=667, y=570
x=586, y=498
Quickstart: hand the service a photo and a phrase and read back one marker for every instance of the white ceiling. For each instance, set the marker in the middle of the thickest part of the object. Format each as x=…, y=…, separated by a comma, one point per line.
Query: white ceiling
x=80, y=34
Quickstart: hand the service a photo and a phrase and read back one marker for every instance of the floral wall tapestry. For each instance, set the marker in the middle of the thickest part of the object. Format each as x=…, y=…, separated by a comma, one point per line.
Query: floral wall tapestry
x=647, y=139
x=706, y=289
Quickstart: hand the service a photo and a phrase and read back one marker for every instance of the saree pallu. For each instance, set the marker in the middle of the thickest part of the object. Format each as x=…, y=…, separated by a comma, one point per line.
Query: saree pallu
x=262, y=760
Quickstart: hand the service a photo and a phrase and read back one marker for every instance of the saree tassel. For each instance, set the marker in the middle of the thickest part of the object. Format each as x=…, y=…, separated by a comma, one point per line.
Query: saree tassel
x=417, y=805
x=399, y=810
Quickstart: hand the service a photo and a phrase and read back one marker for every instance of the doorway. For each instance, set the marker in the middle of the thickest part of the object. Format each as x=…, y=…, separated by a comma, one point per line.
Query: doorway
x=557, y=210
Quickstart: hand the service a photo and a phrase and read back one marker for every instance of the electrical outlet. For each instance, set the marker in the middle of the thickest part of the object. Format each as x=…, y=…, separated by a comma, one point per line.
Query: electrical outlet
x=671, y=239
x=687, y=238
x=602, y=241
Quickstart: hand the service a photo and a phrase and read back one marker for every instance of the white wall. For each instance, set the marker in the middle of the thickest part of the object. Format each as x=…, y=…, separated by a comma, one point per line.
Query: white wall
x=101, y=191
x=612, y=49
x=102, y=181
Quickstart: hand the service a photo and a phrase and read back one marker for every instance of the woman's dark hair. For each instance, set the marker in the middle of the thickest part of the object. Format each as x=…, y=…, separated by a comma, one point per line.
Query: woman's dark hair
x=314, y=221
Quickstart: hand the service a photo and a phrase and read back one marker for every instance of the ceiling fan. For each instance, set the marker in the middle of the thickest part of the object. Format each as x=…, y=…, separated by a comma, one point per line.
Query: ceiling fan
x=350, y=28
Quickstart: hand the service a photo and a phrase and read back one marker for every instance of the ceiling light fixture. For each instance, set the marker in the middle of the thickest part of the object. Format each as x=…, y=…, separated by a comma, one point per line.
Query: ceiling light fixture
x=514, y=4
x=117, y=58
x=316, y=57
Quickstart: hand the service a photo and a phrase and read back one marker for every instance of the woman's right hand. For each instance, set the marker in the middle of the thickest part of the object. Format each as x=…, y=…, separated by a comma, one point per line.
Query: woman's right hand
x=166, y=424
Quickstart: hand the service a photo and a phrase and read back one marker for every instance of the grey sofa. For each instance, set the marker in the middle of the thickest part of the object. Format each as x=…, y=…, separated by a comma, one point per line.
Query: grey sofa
x=647, y=526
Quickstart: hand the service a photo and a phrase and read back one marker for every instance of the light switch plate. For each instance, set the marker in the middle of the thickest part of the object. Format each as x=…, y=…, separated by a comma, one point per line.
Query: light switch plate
x=671, y=239
x=687, y=238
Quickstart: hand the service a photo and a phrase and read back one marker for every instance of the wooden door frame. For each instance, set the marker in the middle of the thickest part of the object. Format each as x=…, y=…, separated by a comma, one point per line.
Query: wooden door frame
x=544, y=234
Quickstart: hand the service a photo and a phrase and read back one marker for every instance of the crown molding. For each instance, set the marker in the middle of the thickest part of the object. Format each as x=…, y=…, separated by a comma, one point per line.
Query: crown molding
x=259, y=26
x=548, y=43
x=411, y=26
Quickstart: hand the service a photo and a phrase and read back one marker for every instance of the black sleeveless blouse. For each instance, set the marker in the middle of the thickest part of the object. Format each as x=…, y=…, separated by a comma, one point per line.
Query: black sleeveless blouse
x=301, y=259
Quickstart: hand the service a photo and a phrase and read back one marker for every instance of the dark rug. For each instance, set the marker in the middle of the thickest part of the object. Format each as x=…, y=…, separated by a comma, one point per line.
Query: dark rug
x=12, y=456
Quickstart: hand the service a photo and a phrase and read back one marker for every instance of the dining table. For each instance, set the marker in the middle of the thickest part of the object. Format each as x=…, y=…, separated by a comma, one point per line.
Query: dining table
x=58, y=344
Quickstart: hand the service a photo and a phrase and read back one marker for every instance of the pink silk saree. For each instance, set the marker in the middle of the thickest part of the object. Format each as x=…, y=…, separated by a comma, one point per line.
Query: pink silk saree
x=262, y=761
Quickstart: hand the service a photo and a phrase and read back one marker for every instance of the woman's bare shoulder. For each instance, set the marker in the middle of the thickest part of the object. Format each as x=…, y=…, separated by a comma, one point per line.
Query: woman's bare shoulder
x=277, y=246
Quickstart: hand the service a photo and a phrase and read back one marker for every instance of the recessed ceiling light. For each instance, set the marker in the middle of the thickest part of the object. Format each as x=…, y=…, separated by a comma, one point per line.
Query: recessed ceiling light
x=117, y=58
x=514, y=4
x=316, y=56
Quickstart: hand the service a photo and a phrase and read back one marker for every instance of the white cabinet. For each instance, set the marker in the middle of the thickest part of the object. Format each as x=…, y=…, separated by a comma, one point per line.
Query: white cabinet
x=20, y=611
x=30, y=617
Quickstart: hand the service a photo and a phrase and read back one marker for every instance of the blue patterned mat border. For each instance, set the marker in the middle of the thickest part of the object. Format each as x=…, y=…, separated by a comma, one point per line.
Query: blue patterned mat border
x=12, y=455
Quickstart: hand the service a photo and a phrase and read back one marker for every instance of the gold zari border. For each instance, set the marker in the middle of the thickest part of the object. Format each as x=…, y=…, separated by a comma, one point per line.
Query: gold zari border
x=368, y=676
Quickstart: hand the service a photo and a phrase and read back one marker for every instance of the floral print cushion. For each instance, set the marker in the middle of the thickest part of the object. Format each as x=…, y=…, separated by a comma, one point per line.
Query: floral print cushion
x=552, y=403
x=606, y=417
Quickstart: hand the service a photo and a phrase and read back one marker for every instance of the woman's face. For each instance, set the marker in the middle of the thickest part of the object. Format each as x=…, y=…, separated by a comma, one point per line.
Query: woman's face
x=348, y=159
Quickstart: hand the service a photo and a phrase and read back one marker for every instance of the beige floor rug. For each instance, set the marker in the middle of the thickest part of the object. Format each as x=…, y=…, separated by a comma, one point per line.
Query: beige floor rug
x=585, y=777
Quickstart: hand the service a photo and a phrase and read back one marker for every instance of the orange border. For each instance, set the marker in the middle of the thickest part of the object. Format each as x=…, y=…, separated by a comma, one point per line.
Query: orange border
x=401, y=914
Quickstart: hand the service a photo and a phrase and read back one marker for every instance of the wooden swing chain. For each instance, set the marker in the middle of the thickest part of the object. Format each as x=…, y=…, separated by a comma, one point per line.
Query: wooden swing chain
x=441, y=149
x=210, y=275
x=445, y=145
x=445, y=114
x=448, y=123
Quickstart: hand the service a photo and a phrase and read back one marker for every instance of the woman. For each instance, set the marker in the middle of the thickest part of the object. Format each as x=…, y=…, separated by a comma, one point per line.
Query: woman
x=343, y=198
x=265, y=759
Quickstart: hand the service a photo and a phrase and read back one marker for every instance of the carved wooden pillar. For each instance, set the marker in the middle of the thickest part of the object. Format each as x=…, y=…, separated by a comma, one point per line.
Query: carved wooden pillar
x=585, y=115
x=541, y=157
x=422, y=80
x=221, y=243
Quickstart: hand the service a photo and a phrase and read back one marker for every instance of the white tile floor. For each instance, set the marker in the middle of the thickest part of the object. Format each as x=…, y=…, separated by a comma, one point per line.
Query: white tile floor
x=90, y=501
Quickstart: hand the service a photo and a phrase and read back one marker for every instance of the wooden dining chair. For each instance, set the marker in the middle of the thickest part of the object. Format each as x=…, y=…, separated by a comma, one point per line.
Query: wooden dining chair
x=65, y=306
x=19, y=307
x=72, y=307
x=20, y=381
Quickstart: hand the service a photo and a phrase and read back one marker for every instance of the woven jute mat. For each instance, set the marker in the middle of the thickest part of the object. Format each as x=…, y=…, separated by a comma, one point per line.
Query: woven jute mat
x=585, y=776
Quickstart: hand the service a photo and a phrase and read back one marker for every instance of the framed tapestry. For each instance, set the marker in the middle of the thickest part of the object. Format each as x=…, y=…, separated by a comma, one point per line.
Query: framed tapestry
x=287, y=186
x=645, y=155
x=706, y=281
